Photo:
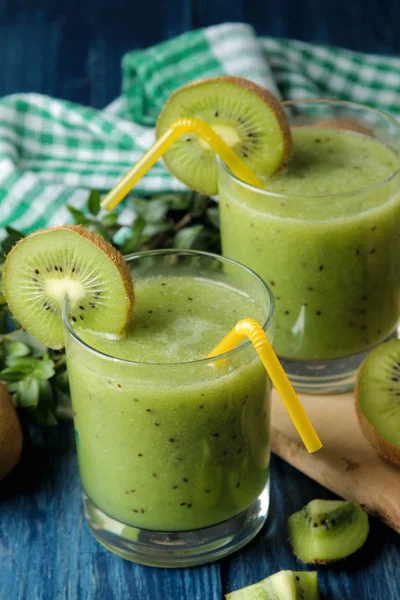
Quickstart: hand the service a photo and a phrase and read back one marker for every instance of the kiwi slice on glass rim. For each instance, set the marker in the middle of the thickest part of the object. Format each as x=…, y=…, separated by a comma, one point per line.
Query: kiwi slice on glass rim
x=248, y=117
x=378, y=400
x=50, y=264
x=285, y=585
x=327, y=530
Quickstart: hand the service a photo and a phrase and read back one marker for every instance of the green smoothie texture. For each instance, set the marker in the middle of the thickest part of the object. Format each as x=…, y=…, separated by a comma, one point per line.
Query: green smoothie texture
x=169, y=446
x=326, y=237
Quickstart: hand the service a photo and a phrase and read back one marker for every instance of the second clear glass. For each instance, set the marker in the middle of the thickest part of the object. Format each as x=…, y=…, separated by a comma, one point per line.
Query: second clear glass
x=332, y=260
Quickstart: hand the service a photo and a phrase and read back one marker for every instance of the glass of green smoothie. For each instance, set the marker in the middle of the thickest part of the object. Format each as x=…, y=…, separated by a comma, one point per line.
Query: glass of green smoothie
x=325, y=235
x=174, y=447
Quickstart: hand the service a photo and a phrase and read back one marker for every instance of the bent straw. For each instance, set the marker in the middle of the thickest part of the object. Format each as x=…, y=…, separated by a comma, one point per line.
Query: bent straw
x=252, y=329
x=179, y=127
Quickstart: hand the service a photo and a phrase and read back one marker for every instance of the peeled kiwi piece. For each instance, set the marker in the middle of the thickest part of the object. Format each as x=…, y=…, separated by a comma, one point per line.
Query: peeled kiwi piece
x=250, y=120
x=285, y=585
x=378, y=400
x=327, y=530
x=51, y=264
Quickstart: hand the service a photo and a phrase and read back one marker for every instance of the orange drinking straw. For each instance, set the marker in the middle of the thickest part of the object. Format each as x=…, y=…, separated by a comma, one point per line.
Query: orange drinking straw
x=179, y=127
x=253, y=330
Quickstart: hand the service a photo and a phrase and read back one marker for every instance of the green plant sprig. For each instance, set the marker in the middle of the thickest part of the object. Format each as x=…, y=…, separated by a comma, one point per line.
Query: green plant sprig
x=36, y=376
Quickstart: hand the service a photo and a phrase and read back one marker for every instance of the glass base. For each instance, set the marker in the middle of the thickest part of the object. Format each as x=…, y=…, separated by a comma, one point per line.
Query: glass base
x=326, y=376
x=177, y=548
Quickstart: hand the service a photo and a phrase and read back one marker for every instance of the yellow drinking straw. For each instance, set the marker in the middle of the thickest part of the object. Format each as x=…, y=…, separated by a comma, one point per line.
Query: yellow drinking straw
x=179, y=127
x=253, y=330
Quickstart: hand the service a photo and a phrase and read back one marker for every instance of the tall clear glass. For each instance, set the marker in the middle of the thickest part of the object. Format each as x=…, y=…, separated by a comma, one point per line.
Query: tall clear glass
x=333, y=261
x=174, y=458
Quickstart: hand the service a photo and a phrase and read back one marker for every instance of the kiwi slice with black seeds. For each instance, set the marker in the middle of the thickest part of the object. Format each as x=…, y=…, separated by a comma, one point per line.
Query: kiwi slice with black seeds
x=249, y=118
x=327, y=530
x=285, y=585
x=378, y=400
x=45, y=267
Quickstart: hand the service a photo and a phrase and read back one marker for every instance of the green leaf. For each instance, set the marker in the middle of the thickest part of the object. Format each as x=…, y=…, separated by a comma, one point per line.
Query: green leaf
x=44, y=412
x=79, y=217
x=63, y=407
x=13, y=236
x=16, y=372
x=110, y=220
x=28, y=393
x=186, y=237
x=213, y=216
x=93, y=202
x=44, y=369
x=17, y=349
x=199, y=204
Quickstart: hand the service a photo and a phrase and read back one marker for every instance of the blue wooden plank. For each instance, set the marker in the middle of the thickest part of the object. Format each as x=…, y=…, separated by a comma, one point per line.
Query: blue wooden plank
x=363, y=25
x=119, y=27
x=47, y=552
x=72, y=49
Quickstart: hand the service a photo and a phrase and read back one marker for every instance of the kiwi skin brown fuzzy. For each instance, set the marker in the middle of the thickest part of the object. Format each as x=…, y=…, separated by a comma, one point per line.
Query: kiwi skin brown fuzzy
x=10, y=434
x=386, y=450
x=100, y=243
x=269, y=99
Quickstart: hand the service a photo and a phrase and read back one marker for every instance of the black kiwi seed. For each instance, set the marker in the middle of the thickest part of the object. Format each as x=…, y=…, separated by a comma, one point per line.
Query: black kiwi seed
x=61, y=269
x=318, y=313
x=74, y=319
x=81, y=307
x=91, y=305
x=36, y=271
x=56, y=268
x=34, y=279
x=216, y=113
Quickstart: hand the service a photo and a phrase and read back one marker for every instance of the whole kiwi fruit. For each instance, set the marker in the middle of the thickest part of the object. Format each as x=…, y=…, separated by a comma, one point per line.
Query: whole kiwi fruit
x=10, y=434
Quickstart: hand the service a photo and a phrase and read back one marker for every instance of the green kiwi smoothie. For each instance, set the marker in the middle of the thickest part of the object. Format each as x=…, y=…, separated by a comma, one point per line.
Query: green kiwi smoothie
x=326, y=236
x=172, y=442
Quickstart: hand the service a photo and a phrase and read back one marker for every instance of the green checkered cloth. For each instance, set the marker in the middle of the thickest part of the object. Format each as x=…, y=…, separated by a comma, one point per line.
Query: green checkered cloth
x=53, y=151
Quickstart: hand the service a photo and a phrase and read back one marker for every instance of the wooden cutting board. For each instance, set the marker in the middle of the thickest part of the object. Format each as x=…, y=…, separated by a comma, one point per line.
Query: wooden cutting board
x=347, y=464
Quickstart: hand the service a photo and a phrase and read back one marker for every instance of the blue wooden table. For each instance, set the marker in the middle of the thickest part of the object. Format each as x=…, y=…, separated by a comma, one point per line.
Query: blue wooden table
x=72, y=49
x=47, y=552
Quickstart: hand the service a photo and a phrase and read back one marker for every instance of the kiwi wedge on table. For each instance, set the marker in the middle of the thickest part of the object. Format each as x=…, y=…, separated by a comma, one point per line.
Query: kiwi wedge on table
x=249, y=118
x=285, y=585
x=378, y=400
x=45, y=267
x=327, y=530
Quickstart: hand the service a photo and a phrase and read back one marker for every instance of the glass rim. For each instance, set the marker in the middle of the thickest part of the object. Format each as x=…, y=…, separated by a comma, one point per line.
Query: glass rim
x=367, y=189
x=174, y=251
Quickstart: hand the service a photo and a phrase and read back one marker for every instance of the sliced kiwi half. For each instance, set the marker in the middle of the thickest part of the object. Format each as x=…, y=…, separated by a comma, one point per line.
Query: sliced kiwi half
x=250, y=120
x=327, y=530
x=378, y=400
x=285, y=585
x=45, y=267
